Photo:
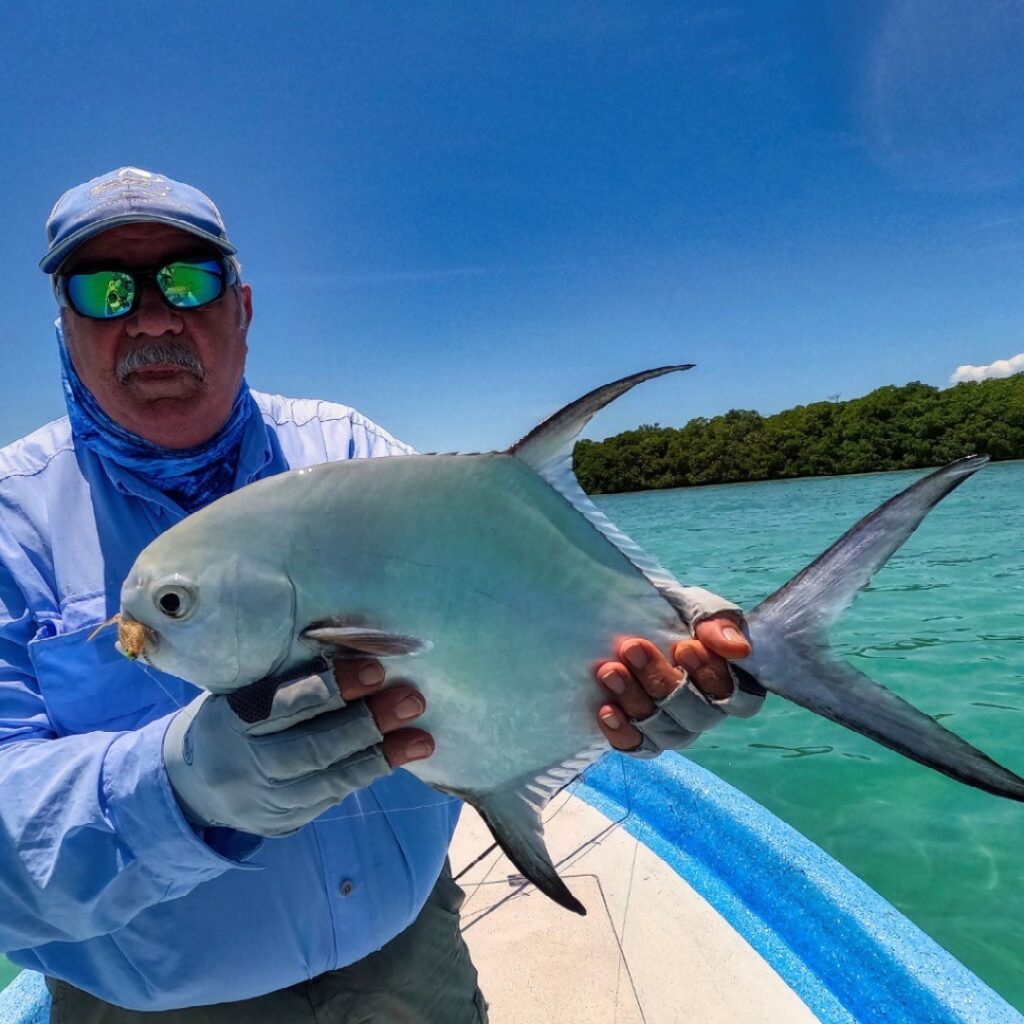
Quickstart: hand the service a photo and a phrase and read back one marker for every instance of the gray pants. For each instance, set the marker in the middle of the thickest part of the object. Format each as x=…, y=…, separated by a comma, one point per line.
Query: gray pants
x=422, y=976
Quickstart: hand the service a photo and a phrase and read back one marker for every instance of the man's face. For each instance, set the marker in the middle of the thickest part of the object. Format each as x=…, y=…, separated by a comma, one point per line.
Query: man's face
x=176, y=406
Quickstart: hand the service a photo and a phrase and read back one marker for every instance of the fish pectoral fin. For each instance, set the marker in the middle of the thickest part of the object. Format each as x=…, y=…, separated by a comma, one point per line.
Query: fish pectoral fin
x=359, y=640
x=513, y=816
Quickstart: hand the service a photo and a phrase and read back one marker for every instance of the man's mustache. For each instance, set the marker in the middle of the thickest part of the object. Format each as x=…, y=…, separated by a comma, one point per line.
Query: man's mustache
x=151, y=355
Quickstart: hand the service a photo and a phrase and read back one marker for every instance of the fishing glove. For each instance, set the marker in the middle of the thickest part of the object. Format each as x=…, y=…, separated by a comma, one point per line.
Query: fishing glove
x=686, y=712
x=272, y=775
x=679, y=718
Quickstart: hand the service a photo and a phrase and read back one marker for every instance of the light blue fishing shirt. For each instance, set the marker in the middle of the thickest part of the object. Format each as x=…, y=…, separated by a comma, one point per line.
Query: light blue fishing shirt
x=102, y=881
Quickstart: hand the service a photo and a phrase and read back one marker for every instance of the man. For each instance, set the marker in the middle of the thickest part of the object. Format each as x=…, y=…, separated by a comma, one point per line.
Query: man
x=136, y=870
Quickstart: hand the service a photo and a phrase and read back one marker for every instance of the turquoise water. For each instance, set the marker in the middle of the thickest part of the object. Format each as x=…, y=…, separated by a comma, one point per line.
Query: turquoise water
x=943, y=626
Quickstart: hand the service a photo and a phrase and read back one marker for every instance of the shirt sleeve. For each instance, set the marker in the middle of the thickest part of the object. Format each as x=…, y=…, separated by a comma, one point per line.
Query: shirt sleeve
x=90, y=832
x=370, y=441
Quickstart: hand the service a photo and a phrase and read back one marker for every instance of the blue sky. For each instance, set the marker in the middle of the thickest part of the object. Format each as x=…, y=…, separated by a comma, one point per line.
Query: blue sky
x=458, y=217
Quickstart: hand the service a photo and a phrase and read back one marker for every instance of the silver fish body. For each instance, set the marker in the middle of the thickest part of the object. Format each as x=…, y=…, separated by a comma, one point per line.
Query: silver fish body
x=512, y=593
x=493, y=583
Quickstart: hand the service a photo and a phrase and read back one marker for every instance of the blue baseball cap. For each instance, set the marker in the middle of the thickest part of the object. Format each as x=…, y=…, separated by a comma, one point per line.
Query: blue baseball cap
x=129, y=195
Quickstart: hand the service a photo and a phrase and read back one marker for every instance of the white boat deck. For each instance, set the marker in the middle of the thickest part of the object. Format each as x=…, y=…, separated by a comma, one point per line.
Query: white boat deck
x=649, y=951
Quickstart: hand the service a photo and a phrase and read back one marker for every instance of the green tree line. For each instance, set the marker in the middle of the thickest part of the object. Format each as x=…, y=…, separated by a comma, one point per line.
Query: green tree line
x=891, y=428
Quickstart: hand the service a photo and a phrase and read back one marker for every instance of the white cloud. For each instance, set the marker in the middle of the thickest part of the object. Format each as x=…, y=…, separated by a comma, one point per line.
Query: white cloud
x=1000, y=368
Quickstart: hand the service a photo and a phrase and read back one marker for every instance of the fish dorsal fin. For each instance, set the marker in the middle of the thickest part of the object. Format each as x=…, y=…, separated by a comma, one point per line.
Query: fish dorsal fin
x=547, y=449
x=513, y=814
x=360, y=640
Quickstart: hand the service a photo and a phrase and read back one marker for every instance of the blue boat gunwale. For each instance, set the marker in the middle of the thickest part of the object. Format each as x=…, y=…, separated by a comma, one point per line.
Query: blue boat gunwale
x=842, y=948
x=847, y=952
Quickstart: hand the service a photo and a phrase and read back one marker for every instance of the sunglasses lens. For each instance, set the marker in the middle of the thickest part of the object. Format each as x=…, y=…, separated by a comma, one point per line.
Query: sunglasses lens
x=187, y=285
x=103, y=295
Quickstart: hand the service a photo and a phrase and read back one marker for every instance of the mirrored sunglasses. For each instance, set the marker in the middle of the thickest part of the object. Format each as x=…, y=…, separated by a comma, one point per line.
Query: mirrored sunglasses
x=108, y=294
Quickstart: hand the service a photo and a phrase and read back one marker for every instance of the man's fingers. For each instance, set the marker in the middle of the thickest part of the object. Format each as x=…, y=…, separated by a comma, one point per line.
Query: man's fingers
x=396, y=707
x=358, y=677
x=707, y=670
x=649, y=667
x=392, y=710
x=722, y=636
x=407, y=745
x=617, y=730
x=621, y=687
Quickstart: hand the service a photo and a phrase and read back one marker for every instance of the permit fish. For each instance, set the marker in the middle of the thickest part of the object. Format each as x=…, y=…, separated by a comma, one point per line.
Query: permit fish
x=493, y=582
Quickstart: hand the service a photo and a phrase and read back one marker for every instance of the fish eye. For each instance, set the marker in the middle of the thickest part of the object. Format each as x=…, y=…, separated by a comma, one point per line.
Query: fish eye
x=174, y=601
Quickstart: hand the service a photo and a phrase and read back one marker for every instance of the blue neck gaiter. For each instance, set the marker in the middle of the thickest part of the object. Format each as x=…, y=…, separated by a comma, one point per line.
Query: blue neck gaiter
x=192, y=477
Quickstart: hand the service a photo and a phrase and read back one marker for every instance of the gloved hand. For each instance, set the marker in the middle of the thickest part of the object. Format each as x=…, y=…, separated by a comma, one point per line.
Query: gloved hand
x=654, y=705
x=306, y=750
x=688, y=711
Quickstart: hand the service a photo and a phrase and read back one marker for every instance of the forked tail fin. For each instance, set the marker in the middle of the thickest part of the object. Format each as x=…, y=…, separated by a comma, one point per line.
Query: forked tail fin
x=792, y=656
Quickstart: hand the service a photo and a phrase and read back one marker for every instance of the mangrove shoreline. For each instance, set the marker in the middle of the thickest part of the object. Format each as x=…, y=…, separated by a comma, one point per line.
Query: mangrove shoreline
x=891, y=428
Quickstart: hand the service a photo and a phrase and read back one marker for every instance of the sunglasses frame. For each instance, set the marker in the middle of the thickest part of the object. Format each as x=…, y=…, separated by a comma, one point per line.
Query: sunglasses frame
x=141, y=278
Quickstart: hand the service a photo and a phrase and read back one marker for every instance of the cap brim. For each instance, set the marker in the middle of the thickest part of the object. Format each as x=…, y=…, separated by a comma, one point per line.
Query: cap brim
x=57, y=255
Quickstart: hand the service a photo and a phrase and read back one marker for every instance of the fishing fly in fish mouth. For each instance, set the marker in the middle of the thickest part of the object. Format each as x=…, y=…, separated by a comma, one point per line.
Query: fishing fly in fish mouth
x=132, y=636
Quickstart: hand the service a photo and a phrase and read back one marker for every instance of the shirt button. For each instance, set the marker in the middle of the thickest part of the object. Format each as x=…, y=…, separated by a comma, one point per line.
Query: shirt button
x=347, y=887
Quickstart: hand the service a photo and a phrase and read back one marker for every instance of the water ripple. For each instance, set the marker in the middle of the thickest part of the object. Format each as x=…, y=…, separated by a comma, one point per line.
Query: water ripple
x=792, y=751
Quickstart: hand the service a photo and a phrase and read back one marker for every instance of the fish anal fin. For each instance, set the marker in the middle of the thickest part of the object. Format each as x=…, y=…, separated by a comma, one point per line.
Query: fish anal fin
x=513, y=814
x=356, y=641
x=513, y=817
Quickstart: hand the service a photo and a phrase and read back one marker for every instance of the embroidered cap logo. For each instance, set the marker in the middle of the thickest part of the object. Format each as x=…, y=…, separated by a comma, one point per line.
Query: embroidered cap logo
x=130, y=178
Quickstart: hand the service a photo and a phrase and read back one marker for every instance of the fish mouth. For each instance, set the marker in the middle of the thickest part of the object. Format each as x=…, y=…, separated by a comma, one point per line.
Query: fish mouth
x=133, y=637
